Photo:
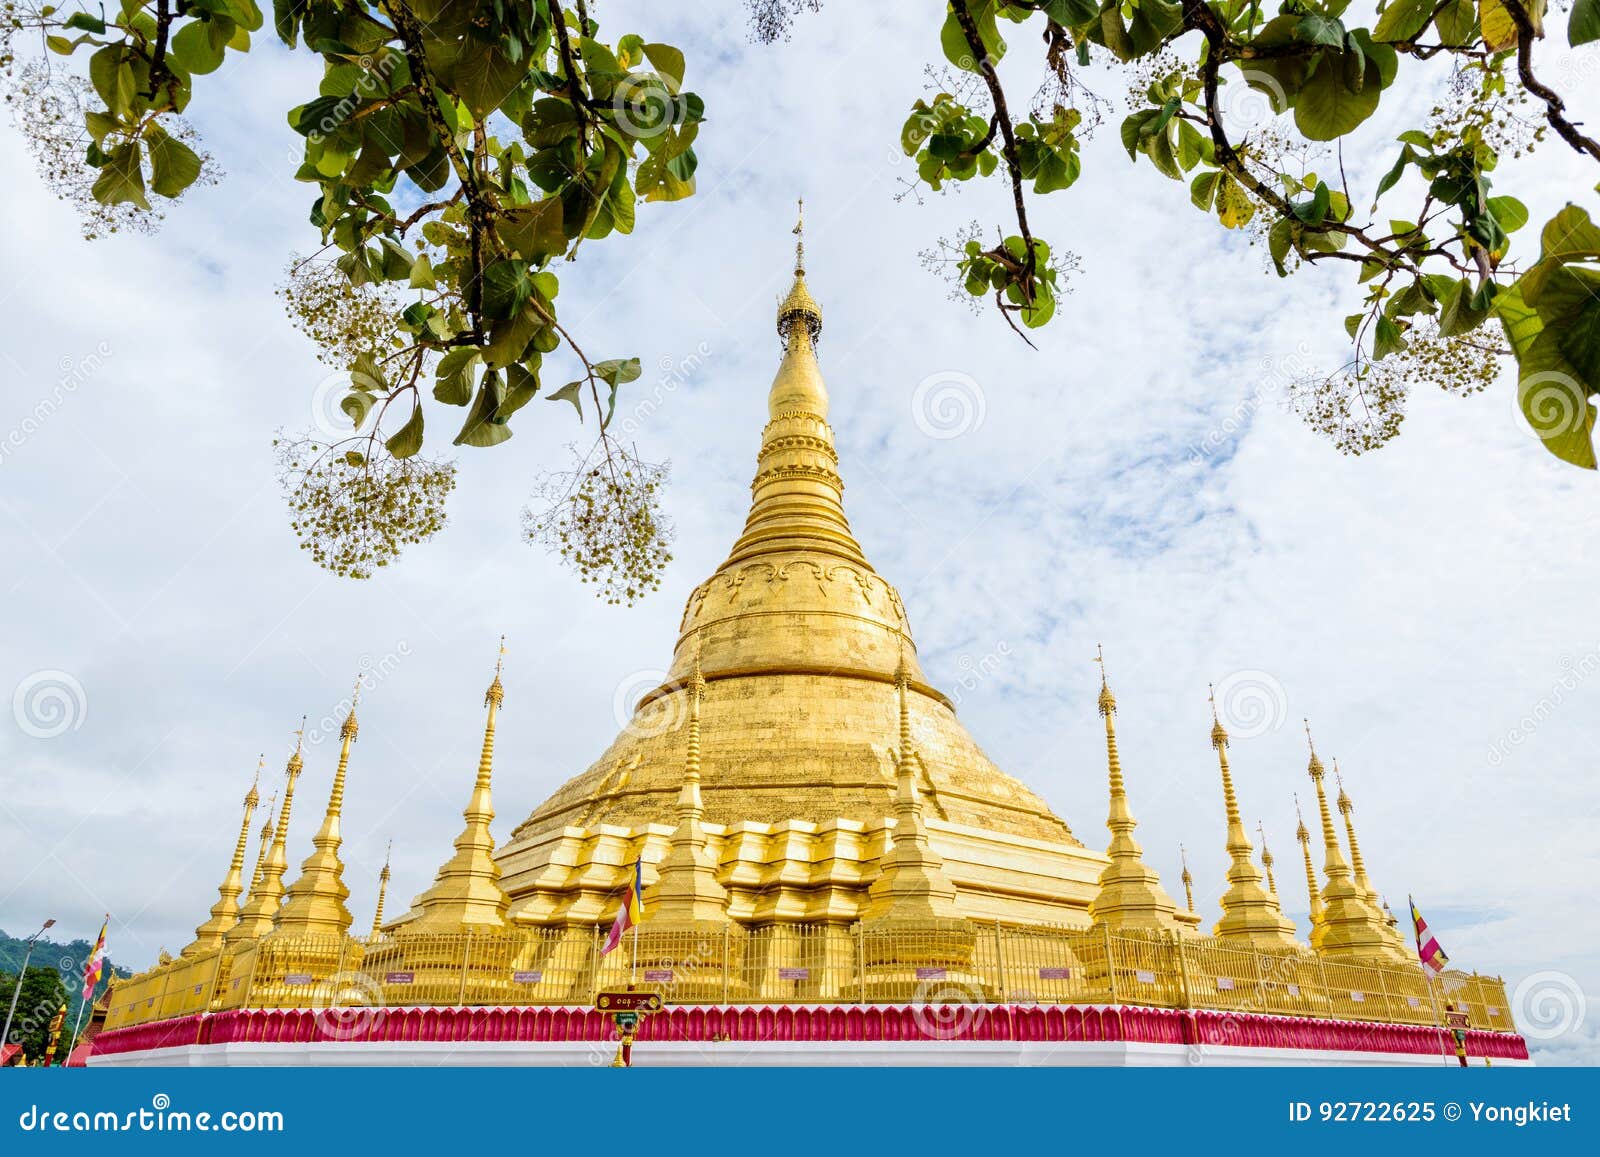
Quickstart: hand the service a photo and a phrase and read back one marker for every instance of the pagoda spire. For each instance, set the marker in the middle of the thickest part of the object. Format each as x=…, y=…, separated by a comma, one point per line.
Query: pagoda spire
x=266, y=841
x=314, y=905
x=1130, y=894
x=1359, y=866
x=383, y=889
x=1188, y=880
x=466, y=892
x=255, y=921
x=1266, y=858
x=1304, y=836
x=1349, y=925
x=912, y=885
x=1249, y=911
x=797, y=497
x=225, y=912
x=686, y=888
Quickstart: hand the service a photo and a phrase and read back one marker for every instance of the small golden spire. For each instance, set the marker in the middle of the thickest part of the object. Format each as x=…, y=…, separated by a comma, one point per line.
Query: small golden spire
x=1358, y=865
x=314, y=905
x=912, y=885
x=1249, y=911
x=209, y=935
x=686, y=889
x=1350, y=925
x=266, y=897
x=266, y=840
x=1188, y=880
x=1130, y=894
x=1304, y=836
x=383, y=888
x=466, y=893
x=1266, y=857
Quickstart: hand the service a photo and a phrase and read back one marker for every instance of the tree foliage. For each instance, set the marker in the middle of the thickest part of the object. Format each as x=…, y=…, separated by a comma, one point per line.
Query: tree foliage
x=460, y=150
x=1442, y=298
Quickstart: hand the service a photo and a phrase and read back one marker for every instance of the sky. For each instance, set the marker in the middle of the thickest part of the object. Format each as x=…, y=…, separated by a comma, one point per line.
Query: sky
x=1135, y=482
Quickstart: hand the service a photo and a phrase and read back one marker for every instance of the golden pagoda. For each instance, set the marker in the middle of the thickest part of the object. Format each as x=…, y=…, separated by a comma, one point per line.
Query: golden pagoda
x=209, y=936
x=266, y=894
x=798, y=641
x=1249, y=912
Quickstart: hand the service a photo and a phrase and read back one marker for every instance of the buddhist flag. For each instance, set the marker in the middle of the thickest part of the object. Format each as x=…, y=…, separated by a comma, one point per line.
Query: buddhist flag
x=1428, y=950
x=93, y=966
x=632, y=910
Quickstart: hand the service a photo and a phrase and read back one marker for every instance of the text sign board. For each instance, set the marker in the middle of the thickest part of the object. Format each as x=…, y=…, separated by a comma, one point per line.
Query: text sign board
x=297, y=978
x=930, y=974
x=628, y=1001
x=529, y=976
x=1055, y=974
x=399, y=977
x=658, y=975
x=794, y=974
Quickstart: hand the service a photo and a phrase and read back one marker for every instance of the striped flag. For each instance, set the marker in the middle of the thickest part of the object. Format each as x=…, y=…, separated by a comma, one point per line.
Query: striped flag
x=95, y=965
x=631, y=912
x=1428, y=950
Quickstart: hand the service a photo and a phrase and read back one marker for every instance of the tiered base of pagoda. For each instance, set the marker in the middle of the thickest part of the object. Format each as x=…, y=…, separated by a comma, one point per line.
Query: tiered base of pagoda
x=995, y=1034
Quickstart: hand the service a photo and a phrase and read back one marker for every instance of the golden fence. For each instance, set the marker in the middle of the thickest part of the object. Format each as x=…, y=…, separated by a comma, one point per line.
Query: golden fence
x=804, y=964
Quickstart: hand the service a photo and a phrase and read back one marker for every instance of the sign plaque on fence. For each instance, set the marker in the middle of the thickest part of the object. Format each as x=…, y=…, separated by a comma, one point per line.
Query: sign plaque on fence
x=297, y=978
x=1358, y=997
x=794, y=974
x=658, y=975
x=199, y=988
x=528, y=976
x=1144, y=977
x=1055, y=974
x=399, y=977
x=1224, y=983
x=628, y=1001
x=930, y=974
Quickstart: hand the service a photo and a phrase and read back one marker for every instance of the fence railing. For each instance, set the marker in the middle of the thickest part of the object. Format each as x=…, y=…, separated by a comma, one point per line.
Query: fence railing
x=804, y=964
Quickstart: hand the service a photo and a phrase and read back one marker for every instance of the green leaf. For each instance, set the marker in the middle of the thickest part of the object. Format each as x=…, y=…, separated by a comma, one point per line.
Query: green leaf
x=668, y=63
x=483, y=76
x=1327, y=108
x=1552, y=399
x=121, y=179
x=507, y=285
x=1387, y=338
x=535, y=231
x=615, y=373
x=1203, y=190
x=357, y=405
x=422, y=273
x=1511, y=213
x=1403, y=20
x=1583, y=26
x=484, y=425
x=199, y=45
x=1315, y=28
x=174, y=166
x=408, y=439
x=453, y=376
x=85, y=22
x=569, y=393
x=1457, y=23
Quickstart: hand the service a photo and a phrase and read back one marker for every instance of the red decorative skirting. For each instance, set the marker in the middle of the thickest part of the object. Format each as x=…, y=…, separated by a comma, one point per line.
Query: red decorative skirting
x=804, y=1023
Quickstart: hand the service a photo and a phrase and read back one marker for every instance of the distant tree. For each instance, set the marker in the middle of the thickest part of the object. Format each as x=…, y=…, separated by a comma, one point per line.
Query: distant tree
x=42, y=994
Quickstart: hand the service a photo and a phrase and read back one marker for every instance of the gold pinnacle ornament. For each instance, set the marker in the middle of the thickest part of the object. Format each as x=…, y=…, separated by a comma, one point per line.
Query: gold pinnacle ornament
x=1249, y=911
x=314, y=905
x=466, y=894
x=225, y=912
x=1349, y=926
x=686, y=890
x=383, y=890
x=255, y=919
x=1266, y=857
x=1130, y=894
x=1314, y=892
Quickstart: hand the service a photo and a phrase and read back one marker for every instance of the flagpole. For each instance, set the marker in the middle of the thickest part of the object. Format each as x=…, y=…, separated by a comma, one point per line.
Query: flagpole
x=78, y=1022
x=638, y=915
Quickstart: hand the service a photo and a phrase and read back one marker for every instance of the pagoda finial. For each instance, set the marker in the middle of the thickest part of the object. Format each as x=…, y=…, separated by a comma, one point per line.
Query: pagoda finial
x=1304, y=836
x=1350, y=923
x=209, y=935
x=1130, y=895
x=266, y=841
x=266, y=895
x=383, y=888
x=466, y=892
x=1358, y=864
x=1249, y=911
x=314, y=905
x=799, y=316
x=1266, y=857
x=686, y=890
x=1188, y=880
x=800, y=237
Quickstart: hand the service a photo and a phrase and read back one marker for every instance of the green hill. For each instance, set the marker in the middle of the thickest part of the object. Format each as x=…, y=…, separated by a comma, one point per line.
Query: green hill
x=65, y=959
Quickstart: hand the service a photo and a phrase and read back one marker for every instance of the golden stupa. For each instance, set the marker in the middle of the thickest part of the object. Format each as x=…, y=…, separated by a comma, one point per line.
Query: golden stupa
x=799, y=642
x=811, y=822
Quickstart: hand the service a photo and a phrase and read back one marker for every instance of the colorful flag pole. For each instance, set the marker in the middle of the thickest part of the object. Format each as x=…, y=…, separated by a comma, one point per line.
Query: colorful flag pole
x=92, y=969
x=629, y=914
x=1433, y=965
